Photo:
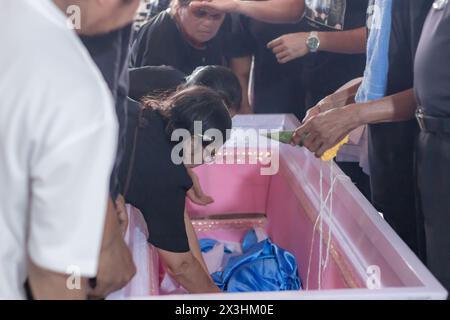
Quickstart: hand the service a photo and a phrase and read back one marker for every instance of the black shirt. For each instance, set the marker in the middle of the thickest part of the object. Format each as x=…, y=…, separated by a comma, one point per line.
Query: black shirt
x=152, y=182
x=432, y=70
x=277, y=87
x=111, y=52
x=160, y=42
x=408, y=18
x=325, y=72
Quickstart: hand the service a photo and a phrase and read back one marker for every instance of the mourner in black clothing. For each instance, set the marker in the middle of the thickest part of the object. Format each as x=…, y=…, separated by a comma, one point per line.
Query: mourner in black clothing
x=155, y=179
x=163, y=80
x=183, y=38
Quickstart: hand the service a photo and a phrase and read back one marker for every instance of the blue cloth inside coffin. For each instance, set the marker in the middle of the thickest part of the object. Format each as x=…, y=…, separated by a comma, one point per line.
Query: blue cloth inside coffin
x=263, y=266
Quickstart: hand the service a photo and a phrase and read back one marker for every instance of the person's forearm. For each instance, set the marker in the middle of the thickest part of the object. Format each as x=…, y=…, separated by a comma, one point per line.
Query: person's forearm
x=195, y=280
x=193, y=242
x=272, y=11
x=352, y=86
x=116, y=267
x=188, y=272
x=242, y=68
x=47, y=285
x=112, y=227
x=397, y=107
x=342, y=97
x=245, y=108
x=347, y=93
x=346, y=42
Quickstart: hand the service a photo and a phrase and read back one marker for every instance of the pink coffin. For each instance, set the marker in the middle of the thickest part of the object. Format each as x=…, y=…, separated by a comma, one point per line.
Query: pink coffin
x=364, y=257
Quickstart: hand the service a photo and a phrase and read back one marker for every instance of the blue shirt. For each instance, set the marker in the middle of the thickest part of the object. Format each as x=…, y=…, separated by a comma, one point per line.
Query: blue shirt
x=374, y=83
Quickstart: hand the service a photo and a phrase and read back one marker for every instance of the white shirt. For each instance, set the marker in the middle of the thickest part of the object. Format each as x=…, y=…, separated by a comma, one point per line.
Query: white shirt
x=58, y=139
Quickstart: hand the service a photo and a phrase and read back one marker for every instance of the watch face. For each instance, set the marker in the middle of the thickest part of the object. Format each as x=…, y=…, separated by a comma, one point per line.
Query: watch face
x=313, y=43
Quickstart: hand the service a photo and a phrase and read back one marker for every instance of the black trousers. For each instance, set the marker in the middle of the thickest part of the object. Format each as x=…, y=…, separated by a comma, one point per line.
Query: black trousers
x=433, y=181
x=359, y=178
x=392, y=177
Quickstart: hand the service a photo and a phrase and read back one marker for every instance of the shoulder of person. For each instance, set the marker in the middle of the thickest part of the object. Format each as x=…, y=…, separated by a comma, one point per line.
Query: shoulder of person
x=159, y=24
x=77, y=82
x=152, y=37
x=56, y=71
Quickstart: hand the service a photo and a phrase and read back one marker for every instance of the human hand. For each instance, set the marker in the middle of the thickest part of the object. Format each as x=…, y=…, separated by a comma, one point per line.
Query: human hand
x=196, y=194
x=219, y=5
x=325, y=130
x=116, y=266
x=122, y=214
x=289, y=46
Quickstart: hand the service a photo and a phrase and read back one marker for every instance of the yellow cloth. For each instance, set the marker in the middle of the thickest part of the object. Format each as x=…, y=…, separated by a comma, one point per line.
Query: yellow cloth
x=332, y=153
x=286, y=137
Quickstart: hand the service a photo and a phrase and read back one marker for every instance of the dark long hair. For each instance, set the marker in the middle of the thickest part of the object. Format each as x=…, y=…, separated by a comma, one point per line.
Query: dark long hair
x=220, y=79
x=195, y=103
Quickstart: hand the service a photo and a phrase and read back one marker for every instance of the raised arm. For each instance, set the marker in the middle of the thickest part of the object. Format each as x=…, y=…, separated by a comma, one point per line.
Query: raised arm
x=271, y=11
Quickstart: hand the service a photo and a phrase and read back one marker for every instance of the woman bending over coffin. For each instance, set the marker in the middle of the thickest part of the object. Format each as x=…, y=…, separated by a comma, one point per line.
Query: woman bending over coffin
x=154, y=174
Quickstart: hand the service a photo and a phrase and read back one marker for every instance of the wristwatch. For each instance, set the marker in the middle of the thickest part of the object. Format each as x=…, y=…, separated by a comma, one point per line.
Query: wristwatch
x=313, y=42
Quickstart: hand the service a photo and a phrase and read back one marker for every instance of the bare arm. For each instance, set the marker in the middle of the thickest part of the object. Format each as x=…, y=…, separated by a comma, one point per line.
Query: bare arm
x=293, y=45
x=397, y=107
x=116, y=266
x=196, y=194
x=241, y=68
x=271, y=11
x=193, y=242
x=189, y=269
x=341, y=98
x=188, y=272
x=322, y=132
x=348, y=42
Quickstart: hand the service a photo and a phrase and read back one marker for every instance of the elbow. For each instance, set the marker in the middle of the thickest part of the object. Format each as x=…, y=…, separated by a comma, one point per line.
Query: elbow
x=180, y=267
x=243, y=77
x=295, y=10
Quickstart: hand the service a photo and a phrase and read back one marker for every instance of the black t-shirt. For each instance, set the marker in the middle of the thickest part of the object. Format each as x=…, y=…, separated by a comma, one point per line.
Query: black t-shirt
x=393, y=143
x=152, y=182
x=325, y=72
x=111, y=52
x=432, y=71
x=277, y=87
x=408, y=18
x=160, y=42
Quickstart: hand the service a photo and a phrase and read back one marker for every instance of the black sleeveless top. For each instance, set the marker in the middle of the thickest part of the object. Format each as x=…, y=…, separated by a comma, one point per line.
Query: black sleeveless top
x=152, y=182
